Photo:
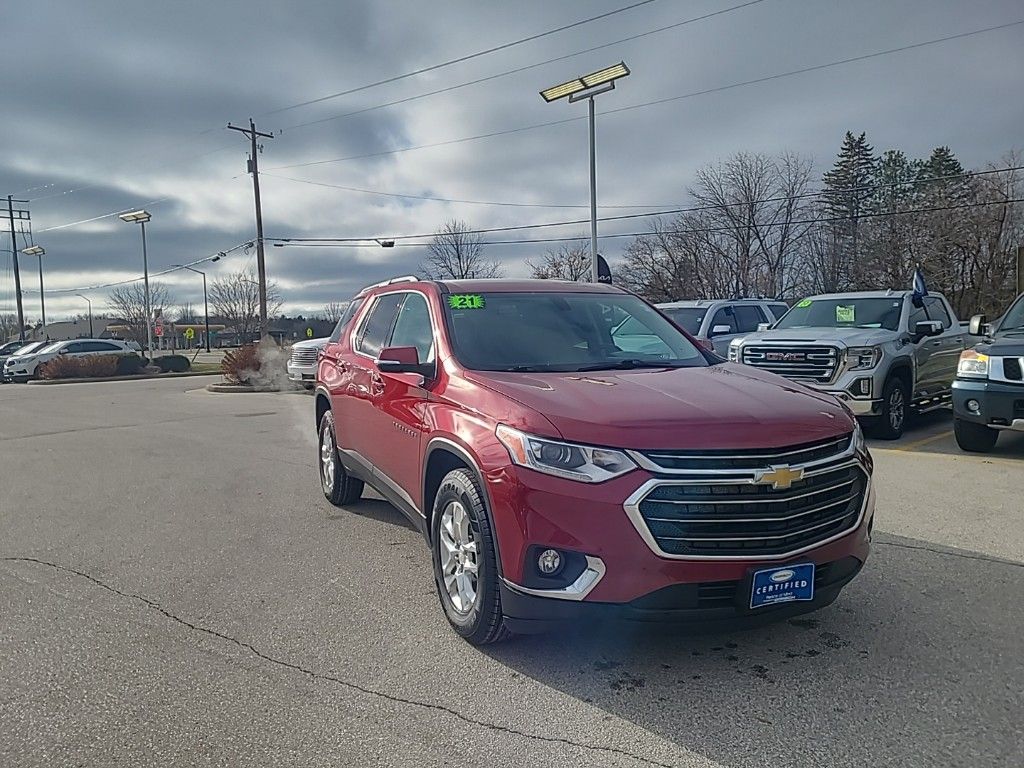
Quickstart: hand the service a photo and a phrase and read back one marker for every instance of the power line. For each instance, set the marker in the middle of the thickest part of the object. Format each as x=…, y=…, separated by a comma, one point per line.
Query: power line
x=460, y=59
x=642, y=105
x=526, y=68
x=495, y=203
x=668, y=211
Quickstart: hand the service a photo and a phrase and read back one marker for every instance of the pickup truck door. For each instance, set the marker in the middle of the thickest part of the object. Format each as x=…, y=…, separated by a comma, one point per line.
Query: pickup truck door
x=741, y=320
x=936, y=356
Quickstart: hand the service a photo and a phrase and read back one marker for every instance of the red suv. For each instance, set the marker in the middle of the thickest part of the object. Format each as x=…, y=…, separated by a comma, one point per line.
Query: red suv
x=568, y=452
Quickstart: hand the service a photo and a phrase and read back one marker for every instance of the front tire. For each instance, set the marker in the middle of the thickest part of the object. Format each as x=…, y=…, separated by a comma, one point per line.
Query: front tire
x=975, y=438
x=338, y=486
x=895, y=410
x=465, y=566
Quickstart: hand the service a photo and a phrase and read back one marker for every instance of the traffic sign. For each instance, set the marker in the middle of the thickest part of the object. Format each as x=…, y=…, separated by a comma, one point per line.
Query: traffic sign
x=190, y=333
x=309, y=333
x=159, y=330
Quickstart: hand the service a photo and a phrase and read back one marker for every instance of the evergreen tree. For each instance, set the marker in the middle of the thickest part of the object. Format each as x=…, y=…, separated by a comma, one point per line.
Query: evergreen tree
x=847, y=197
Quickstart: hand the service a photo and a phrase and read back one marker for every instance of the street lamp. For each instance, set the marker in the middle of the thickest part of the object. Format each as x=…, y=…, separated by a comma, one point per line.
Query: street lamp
x=206, y=303
x=140, y=218
x=587, y=87
x=38, y=250
x=91, y=334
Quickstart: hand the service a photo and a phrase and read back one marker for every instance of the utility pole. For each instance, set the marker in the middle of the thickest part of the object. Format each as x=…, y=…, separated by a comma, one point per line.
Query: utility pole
x=254, y=169
x=17, y=272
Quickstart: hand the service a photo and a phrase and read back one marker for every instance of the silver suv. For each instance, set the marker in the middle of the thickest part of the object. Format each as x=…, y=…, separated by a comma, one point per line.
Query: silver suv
x=718, y=321
x=880, y=352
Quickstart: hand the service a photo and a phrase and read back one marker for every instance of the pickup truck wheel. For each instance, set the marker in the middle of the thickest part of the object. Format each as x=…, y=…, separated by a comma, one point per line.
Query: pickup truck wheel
x=976, y=438
x=893, y=419
x=338, y=486
x=465, y=567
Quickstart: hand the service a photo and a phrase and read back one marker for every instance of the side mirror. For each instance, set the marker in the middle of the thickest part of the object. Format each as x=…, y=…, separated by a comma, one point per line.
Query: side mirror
x=763, y=326
x=927, y=328
x=720, y=329
x=977, y=325
x=403, y=360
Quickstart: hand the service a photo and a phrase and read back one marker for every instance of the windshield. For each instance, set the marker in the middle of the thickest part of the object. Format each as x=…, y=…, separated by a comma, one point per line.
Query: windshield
x=51, y=347
x=1014, y=319
x=30, y=348
x=687, y=318
x=564, y=332
x=844, y=313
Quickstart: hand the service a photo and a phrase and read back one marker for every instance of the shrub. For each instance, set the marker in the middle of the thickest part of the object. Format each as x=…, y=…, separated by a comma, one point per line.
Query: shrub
x=129, y=365
x=97, y=366
x=173, y=363
x=59, y=368
x=93, y=366
x=240, y=365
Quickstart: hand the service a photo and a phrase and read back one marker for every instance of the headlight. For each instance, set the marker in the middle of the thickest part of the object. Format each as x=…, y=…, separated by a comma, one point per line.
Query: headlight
x=734, y=351
x=862, y=358
x=574, y=462
x=973, y=365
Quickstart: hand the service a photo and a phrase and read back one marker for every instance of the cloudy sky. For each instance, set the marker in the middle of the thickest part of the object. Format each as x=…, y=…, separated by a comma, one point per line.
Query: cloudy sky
x=114, y=105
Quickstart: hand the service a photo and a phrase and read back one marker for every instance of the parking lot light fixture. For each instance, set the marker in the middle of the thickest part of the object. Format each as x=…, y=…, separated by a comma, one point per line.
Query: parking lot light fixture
x=89, y=302
x=206, y=301
x=141, y=217
x=587, y=87
x=38, y=250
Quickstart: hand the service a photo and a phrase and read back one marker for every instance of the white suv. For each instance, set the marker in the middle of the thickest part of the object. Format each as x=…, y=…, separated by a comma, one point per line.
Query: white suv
x=25, y=367
x=302, y=360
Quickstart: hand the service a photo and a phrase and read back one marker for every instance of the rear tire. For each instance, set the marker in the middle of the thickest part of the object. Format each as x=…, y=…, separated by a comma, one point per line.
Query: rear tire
x=895, y=411
x=465, y=566
x=975, y=438
x=338, y=486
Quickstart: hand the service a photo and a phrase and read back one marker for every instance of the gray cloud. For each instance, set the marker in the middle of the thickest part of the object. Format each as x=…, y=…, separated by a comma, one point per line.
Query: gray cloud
x=133, y=99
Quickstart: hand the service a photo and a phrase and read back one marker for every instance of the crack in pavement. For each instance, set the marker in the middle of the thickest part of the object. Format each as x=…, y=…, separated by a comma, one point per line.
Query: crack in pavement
x=952, y=553
x=314, y=675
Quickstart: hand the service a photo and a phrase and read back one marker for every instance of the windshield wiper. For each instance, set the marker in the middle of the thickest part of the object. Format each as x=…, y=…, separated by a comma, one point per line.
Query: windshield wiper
x=625, y=365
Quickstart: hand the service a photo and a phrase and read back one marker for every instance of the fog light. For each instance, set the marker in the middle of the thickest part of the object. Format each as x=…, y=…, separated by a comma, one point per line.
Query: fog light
x=549, y=562
x=973, y=406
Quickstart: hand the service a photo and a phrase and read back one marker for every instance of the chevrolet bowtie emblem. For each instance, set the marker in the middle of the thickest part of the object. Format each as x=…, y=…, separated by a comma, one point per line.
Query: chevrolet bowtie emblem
x=779, y=478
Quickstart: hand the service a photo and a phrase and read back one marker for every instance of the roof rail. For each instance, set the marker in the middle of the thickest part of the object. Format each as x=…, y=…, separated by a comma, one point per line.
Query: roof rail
x=391, y=281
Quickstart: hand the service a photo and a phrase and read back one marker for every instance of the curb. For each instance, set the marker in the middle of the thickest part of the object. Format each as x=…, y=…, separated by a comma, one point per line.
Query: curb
x=241, y=388
x=138, y=377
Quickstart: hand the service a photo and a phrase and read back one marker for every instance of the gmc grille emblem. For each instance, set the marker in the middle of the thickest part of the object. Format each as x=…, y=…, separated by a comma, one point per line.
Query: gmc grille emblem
x=786, y=357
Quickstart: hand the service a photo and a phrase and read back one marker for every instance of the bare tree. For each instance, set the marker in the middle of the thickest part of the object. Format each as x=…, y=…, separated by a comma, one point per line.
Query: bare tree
x=187, y=313
x=456, y=254
x=334, y=310
x=8, y=326
x=128, y=303
x=236, y=298
x=570, y=261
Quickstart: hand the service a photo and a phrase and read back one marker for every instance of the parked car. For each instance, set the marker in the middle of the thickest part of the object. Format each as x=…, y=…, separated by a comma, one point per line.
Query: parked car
x=20, y=348
x=877, y=351
x=716, y=322
x=988, y=394
x=557, y=474
x=302, y=360
x=22, y=367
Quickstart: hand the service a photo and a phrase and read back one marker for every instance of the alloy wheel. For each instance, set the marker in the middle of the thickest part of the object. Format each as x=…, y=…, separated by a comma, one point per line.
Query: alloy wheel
x=460, y=567
x=328, y=461
x=897, y=409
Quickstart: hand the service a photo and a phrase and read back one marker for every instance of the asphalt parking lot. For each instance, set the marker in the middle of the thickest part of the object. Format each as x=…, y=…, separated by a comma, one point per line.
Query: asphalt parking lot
x=175, y=591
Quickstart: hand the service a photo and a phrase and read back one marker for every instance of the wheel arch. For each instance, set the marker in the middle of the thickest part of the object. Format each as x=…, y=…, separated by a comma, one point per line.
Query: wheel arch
x=322, y=404
x=442, y=455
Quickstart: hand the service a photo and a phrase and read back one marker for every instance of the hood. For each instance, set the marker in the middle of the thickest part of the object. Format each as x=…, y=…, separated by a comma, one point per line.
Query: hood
x=720, y=406
x=851, y=337
x=1004, y=346
x=311, y=343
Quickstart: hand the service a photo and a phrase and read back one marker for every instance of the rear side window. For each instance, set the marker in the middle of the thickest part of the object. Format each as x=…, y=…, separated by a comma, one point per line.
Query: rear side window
x=350, y=311
x=77, y=346
x=413, y=328
x=98, y=346
x=778, y=309
x=377, y=325
x=937, y=310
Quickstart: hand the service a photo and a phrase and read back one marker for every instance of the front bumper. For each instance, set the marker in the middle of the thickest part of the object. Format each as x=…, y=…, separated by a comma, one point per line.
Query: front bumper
x=1001, y=405
x=302, y=373
x=623, y=575
x=860, y=407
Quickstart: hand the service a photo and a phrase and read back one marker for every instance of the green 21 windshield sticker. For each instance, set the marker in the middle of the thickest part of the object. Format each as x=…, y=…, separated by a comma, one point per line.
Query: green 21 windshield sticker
x=804, y=303
x=466, y=301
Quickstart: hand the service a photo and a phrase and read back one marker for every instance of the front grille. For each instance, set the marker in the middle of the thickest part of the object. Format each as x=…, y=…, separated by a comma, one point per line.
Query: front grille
x=751, y=459
x=817, y=363
x=304, y=356
x=738, y=519
x=1012, y=368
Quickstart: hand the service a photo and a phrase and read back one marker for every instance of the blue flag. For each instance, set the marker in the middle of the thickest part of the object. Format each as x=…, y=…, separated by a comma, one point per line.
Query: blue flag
x=919, y=287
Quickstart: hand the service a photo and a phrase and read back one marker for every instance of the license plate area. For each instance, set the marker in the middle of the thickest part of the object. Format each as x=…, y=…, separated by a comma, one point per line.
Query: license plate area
x=782, y=584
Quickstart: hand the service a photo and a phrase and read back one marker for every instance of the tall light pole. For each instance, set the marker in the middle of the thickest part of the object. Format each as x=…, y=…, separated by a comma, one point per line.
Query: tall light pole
x=587, y=87
x=38, y=250
x=140, y=218
x=91, y=334
x=206, y=303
